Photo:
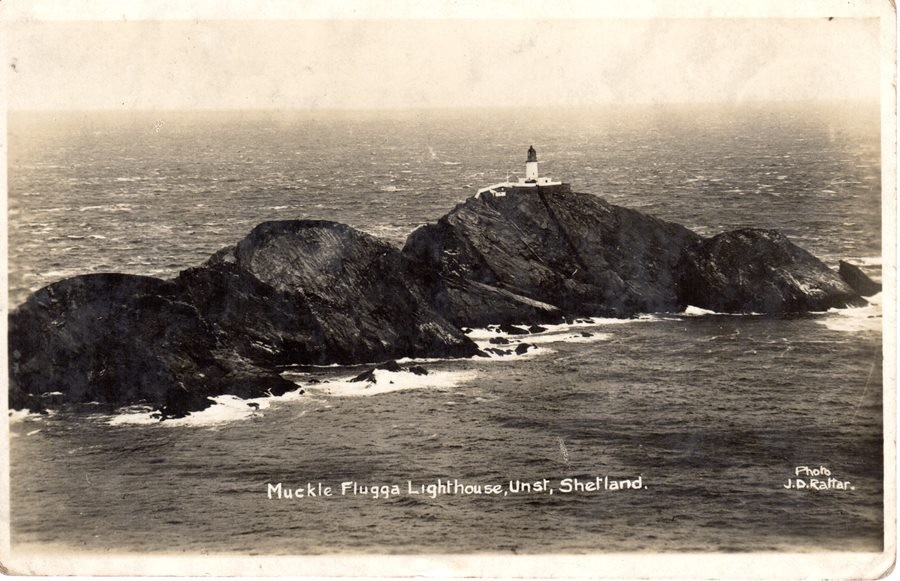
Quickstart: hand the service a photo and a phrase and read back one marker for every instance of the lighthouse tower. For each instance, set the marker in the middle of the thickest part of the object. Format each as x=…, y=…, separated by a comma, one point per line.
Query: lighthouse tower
x=530, y=182
x=531, y=169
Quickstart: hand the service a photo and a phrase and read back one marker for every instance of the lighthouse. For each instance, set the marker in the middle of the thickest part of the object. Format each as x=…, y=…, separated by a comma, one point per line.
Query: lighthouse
x=531, y=169
x=531, y=181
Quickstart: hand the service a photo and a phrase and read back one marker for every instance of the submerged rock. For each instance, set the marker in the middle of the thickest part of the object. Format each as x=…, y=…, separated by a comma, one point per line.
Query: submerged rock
x=759, y=271
x=417, y=370
x=857, y=279
x=522, y=348
x=368, y=376
x=512, y=330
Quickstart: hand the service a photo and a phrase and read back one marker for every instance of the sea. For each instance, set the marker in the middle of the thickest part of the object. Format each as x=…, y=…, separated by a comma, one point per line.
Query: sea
x=670, y=432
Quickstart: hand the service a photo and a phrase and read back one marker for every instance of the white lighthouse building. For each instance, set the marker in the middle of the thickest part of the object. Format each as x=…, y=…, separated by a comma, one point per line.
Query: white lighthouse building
x=531, y=179
x=531, y=169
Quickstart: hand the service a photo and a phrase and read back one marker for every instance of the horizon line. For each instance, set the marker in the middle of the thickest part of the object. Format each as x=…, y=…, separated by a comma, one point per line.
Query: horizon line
x=413, y=108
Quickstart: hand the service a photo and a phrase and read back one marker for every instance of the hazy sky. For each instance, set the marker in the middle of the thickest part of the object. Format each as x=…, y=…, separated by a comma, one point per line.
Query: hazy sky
x=437, y=63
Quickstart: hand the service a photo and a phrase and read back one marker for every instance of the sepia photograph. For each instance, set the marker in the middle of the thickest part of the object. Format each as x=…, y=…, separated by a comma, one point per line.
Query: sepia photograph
x=444, y=290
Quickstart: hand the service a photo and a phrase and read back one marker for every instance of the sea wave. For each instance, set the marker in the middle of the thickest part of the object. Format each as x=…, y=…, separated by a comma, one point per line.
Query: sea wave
x=692, y=311
x=20, y=416
x=558, y=331
x=384, y=381
x=866, y=319
x=866, y=260
x=225, y=409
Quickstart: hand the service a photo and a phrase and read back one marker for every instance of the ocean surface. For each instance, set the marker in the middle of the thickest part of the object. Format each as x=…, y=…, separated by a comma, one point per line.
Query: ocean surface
x=702, y=418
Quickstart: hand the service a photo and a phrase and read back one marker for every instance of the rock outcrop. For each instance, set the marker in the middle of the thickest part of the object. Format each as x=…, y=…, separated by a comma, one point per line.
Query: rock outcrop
x=316, y=292
x=579, y=255
x=537, y=253
x=295, y=292
x=759, y=271
x=857, y=279
x=120, y=339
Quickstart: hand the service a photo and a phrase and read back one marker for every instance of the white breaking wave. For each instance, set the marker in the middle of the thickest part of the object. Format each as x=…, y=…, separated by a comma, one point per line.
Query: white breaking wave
x=530, y=354
x=579, y=331
x=230, y=408
x=865, y=260
x=225, y=409
x=559, y=331
x=19, y=416
x=855, y=319
x=390, y=381
x=692, y=311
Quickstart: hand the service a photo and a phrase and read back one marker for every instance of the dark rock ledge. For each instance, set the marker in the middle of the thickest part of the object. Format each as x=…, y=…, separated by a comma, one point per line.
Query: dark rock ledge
x=317, y=292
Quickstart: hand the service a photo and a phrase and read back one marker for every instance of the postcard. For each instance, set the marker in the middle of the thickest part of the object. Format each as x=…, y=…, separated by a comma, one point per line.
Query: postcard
x=516, y=290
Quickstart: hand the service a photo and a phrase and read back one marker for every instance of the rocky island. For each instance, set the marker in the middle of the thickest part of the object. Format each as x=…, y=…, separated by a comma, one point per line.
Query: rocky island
x=318, y=292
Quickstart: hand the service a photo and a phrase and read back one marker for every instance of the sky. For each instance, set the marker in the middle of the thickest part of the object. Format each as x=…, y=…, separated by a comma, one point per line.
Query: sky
x=396, y=64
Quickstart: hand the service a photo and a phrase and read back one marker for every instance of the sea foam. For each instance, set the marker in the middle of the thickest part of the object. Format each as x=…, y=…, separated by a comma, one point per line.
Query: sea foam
x=225, y=409
x=865, y=319
x=390, y=381
x=19, y=416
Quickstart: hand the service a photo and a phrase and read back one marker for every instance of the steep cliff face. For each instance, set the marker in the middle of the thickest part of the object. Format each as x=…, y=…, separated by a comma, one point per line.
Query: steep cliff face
x=318, y=292
x=760, y=271
x=574, y=253
x=122, y=339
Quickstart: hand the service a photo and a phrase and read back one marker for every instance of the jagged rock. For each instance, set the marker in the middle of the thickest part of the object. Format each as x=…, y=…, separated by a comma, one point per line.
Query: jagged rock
x=389, y=366
x=571, y=253
x=369, y=375
x=513, y=330
x=586, y=334
x=122, y=339
x=857, y=279
x=522, y=348
x=366, y=376
x=759, y=271
x=536, y=329
x=305, y=291
x=499, y=340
